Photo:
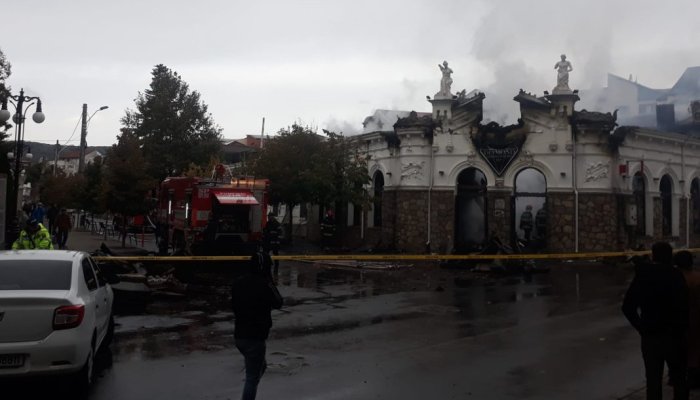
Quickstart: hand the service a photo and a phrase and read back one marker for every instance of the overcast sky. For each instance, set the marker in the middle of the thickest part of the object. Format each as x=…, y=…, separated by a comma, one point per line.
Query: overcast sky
x=328, y=63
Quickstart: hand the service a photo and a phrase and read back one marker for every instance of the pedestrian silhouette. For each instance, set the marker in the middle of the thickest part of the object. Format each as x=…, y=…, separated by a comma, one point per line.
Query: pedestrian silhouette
x=656, y=304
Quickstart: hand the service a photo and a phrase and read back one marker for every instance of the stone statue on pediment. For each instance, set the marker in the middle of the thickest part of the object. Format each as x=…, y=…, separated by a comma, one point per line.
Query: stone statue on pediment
x=446, y=81
x=563, y=68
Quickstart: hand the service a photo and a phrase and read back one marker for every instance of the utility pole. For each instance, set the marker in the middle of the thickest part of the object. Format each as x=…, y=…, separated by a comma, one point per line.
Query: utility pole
x=83, y=144
x=262, y=133
x=55, y=157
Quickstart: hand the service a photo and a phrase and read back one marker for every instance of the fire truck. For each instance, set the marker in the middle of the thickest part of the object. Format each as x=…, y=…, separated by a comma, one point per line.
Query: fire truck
x=223, y=215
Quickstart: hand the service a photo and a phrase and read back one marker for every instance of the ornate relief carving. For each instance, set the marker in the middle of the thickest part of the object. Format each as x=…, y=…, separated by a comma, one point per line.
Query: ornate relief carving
x=412, y=170
x=597, y=171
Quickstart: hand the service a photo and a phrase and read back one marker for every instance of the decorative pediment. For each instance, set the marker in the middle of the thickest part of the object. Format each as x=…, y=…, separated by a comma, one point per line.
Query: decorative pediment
x=499, y=145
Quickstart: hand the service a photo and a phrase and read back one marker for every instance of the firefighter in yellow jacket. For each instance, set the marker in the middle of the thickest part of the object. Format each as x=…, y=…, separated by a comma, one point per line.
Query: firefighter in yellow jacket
x=33, y=236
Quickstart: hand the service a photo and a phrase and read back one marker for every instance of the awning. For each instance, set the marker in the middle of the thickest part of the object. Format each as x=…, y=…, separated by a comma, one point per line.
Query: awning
x=234, y=197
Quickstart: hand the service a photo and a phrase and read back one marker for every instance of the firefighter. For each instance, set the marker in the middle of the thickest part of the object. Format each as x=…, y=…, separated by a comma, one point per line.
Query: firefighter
x=328, y=229
x=271, y=238
x=33, y=236
x=526, y=222
x=541, y=223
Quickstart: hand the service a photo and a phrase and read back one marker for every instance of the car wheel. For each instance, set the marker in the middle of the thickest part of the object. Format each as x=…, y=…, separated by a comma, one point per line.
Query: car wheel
x=110, y=333
x=83, y=378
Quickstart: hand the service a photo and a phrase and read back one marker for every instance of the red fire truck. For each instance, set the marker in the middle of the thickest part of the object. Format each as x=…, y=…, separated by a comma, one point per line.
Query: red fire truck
x=218, y=216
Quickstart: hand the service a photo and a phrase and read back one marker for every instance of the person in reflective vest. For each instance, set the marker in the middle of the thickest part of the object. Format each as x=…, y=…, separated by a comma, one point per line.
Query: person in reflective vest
x=33, y=236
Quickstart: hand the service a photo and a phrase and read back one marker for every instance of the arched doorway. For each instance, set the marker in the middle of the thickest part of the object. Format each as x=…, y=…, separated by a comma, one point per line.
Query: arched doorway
x=378, y=180
x=529, y=208
x=639, y=192
x=666, y=193
x=470, y=210
x=695, y=204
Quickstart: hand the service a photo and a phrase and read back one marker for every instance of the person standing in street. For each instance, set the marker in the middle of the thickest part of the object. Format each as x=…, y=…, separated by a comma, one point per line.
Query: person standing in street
x=271, y=239
x=252, y=301
x=51, y=215
x=33, y=237
x=656, y=304
x=38, y=213
x=684, y=261
x=526, y=222
x=63, y=226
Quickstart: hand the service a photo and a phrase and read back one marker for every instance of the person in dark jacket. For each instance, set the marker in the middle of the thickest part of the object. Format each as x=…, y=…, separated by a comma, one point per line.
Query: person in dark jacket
x=684, y=262
x=252, y=302
x=656, y=304
x=271, y=239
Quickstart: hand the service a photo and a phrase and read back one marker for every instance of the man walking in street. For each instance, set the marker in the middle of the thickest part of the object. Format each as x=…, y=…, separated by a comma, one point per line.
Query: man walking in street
x=684, y=261
x=656, y=304
x=33, y=236
x=252, y=301
x=526, y=222
x=63, y=226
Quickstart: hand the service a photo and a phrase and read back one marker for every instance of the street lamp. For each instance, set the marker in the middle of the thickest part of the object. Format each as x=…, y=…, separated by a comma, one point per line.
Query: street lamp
x=18, y=102
x=59, y=148
x=83, y=135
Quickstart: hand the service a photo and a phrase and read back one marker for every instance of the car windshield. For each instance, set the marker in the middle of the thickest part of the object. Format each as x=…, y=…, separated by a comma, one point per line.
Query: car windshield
x=35, y=275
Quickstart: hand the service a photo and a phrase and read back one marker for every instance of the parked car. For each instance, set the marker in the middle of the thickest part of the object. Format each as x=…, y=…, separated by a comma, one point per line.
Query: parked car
x=55, y=314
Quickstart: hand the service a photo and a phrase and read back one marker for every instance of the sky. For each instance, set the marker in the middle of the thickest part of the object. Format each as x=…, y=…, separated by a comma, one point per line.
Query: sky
x=328, y=63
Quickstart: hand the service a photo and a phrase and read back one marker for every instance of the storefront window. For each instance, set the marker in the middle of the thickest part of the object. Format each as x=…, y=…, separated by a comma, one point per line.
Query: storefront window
x=530, y=208
x=666, y=191
x=695, y=204
x=639, y=194
x=470, y=210
x=378, y=193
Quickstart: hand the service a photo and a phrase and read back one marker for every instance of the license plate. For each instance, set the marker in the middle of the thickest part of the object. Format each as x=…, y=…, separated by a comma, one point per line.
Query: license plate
x=11, y=360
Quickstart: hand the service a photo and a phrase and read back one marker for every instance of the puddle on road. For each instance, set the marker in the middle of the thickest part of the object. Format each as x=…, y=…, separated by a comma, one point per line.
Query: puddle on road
x=329, y=300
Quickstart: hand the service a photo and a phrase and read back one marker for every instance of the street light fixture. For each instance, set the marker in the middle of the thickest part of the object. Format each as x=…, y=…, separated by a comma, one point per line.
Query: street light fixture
x=83, y=135
x=81, y=155
x=18, y=102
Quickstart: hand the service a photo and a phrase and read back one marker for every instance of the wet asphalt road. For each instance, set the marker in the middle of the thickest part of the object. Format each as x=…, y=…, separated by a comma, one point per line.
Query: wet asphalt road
x=416, y=333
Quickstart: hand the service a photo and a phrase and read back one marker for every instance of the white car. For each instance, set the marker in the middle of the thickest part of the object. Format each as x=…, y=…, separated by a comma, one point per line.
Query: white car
x=55, y=313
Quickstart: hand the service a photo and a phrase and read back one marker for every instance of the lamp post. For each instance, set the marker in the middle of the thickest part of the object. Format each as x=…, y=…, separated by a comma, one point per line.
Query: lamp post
x=18, y=102
x=81, y=157
x=83, y=135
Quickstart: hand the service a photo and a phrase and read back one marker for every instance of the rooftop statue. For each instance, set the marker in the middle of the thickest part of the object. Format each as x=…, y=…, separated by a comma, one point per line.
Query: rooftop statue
x=446, y=81
x=563, y=68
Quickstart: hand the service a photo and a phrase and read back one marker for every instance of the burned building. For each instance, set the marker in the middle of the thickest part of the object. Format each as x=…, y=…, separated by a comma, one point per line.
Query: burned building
x=560, y=179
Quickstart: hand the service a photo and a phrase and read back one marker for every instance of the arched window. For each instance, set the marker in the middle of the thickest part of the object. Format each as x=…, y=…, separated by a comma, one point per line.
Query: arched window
x=377, y=200
x=530, y=211
x=666, y=192
x=695, y=204
x=639, y=191
x=470, y=210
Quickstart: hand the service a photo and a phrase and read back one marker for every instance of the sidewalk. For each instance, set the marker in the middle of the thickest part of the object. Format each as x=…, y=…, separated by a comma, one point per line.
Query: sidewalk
x=89, y=242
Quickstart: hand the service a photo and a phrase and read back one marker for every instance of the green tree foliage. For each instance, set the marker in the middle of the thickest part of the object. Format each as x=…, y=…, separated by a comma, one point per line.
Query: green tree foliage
x=341, y=173
x=125, y=183
x=173, y=125
x=91, y=198
x=5, y=145
x=305, y=167
x=61, y=189
x=290, y=160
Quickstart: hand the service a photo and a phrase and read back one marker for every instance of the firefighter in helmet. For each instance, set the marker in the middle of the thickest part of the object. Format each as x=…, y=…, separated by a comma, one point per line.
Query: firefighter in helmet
x=33, y=236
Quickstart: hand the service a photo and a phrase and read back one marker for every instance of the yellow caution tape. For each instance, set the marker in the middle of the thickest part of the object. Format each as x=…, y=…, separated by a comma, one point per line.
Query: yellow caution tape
x=391, y=257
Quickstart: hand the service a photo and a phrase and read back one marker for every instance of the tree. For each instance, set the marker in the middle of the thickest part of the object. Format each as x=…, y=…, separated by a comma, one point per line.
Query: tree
x=91, y=188
x=341, y=173
x=5, y=146
x=126, y=183
x=288, y=161
x=305, y=167
x=173, y=125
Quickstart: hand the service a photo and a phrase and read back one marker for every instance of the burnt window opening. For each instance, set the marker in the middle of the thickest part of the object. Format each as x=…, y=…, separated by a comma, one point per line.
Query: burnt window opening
x=639, y=194
x=377, y=200
x=470, y=210
x=666, y=192
x=530, y=207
